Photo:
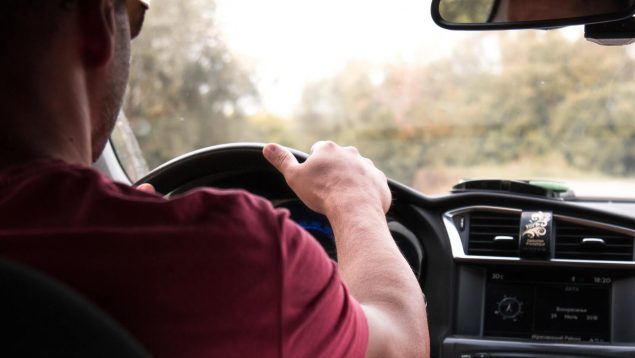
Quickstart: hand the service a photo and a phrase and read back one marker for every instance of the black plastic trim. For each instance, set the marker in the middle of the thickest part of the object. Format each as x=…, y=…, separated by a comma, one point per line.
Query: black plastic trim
x=471, y=296
x=465, y=346
x=623, y=305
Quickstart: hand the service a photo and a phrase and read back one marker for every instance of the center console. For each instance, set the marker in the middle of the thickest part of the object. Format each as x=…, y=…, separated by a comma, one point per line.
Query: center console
x=547, y=306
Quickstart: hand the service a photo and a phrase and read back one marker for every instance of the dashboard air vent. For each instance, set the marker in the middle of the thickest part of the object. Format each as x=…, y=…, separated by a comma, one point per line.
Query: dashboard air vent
x=493, y=233
x=582, y=242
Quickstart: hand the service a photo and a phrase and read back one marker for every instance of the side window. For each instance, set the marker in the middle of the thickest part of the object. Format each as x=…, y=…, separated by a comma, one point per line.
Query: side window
x=128, y=150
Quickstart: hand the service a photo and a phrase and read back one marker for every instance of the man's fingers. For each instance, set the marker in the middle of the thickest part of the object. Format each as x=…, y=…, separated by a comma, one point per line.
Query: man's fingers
x=148, y=188
x=280, y=157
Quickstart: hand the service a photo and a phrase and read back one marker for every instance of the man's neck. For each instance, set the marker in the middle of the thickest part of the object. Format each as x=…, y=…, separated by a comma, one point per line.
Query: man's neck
x=42, y=128
x=14, y=153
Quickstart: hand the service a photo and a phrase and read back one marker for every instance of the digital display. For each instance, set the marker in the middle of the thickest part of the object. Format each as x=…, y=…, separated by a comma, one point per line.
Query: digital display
x=548, y=306
x=572, y=308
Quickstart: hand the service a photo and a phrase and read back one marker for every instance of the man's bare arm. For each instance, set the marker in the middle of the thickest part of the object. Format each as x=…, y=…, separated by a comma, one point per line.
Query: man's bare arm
x=354, y=195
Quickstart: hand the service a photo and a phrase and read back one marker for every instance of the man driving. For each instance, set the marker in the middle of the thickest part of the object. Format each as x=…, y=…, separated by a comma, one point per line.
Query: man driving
x=209, y=273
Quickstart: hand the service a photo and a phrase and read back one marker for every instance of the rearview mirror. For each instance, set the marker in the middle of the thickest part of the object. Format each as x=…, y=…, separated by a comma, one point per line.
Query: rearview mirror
x=523, y=14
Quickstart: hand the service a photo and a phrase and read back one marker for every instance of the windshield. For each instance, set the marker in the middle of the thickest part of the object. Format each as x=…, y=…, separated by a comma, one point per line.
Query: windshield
x=429, y=106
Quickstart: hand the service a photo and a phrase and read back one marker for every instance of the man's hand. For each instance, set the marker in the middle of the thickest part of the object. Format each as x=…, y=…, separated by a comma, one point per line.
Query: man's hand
x=332, y=178
x=355, y=197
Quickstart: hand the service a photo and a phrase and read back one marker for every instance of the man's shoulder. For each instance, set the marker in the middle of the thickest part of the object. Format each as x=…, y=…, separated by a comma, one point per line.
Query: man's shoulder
x=57, y=192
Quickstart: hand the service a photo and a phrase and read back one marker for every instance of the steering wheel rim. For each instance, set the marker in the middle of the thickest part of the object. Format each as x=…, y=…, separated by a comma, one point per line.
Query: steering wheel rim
x=213, y=161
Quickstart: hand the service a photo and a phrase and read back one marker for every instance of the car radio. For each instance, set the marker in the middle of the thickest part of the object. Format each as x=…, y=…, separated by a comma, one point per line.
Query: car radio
x=548, y=305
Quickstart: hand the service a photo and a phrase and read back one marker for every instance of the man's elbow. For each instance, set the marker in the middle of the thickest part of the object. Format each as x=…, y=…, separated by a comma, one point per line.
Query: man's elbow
x=397, y=335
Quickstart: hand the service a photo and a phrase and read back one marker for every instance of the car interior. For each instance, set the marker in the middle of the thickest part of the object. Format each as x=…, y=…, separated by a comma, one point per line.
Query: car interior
x=509, y=268
x=573, y=298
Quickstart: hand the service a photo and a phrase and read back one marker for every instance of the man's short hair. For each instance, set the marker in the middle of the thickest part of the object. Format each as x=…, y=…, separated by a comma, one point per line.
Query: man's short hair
x=31, y=23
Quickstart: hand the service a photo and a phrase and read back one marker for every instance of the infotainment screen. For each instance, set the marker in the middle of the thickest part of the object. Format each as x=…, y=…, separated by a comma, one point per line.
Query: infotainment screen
x=548, y=305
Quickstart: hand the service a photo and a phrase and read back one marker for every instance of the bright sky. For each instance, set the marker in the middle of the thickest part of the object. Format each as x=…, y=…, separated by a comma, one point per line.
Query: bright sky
x=288, y=43
x=291, y=42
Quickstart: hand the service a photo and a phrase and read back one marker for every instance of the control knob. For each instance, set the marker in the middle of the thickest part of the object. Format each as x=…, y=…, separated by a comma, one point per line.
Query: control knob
x=509, y=308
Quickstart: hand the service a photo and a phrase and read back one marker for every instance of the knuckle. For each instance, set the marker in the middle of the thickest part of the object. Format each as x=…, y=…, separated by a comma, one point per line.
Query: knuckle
x=316, y=145
x=330, y=144
x=352, y=149
x=282, y=159
x=279, y=157
x=323, y=145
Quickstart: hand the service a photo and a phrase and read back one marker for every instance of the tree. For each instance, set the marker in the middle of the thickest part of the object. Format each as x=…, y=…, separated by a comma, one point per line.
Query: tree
x=186, y=89
x=541, y=97
x=467, y=11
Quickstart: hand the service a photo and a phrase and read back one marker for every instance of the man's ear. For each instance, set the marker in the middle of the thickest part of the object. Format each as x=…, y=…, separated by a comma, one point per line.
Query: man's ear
x=98, y=32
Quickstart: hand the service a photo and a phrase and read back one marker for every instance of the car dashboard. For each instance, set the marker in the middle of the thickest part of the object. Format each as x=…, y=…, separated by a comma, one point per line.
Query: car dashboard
x=576, y=300
x=579, y=301
x=486, y=295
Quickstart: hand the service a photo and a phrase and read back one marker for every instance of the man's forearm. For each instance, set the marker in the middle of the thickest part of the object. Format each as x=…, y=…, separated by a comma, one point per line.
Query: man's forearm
x=377, y=274
x=354, y=195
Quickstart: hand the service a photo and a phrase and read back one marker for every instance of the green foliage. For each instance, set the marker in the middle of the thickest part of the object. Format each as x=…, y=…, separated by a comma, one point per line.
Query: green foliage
x=186, y=89
x=466, y=11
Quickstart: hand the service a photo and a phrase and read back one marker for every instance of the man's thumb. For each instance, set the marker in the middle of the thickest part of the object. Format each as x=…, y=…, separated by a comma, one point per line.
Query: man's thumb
x=279, y=157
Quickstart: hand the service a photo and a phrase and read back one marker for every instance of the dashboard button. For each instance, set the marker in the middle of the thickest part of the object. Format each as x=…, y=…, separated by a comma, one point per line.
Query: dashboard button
x=509, y=308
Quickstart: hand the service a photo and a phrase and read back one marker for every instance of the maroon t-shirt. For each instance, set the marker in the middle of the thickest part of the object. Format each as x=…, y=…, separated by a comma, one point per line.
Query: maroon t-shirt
x=210, y=273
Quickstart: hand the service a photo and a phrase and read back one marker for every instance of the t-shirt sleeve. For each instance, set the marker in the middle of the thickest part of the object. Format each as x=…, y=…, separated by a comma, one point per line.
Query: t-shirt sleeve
x=319, y=316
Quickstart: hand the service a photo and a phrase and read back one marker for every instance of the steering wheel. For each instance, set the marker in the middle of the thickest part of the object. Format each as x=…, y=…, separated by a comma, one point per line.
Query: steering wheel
x=243, y=166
